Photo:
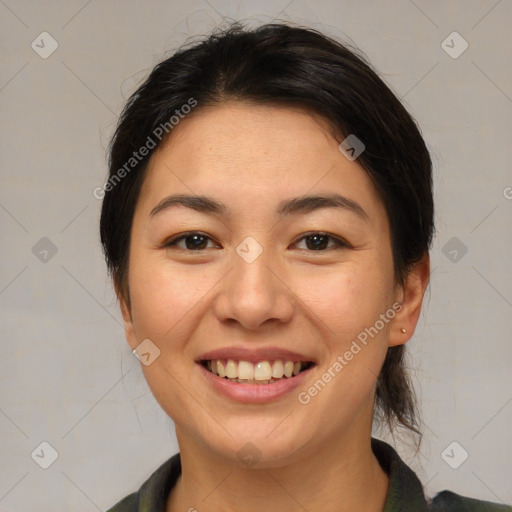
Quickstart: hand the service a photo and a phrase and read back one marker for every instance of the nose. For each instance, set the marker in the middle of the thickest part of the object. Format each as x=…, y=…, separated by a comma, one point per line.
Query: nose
x=254, y=294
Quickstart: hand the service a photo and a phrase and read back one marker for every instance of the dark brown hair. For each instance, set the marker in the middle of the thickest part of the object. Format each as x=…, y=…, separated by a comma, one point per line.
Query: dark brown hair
x=284, y=65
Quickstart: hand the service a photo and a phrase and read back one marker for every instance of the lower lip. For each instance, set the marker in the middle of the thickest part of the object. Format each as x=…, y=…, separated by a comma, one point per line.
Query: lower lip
x=253, y=393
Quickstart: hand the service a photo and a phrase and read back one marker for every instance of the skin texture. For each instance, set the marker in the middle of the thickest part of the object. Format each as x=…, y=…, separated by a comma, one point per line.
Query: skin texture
x=315, y=302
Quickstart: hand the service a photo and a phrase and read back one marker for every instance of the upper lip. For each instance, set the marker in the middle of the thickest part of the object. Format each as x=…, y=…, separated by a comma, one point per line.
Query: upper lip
x=254, y=355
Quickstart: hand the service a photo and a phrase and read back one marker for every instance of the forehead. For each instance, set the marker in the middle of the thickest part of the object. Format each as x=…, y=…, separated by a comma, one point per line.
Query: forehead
x=248, y=130
x=244, y=154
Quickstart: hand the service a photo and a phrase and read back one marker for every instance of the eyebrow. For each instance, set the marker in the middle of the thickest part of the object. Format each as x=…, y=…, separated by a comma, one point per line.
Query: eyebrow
x=294, y=206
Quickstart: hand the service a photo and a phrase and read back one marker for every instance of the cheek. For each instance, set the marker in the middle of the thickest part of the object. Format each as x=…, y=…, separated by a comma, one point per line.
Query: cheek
x=163, y=296
x=347, y=298
x=167, y=304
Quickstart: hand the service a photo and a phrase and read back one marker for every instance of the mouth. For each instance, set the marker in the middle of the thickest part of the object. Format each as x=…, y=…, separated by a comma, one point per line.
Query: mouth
x=265, y=371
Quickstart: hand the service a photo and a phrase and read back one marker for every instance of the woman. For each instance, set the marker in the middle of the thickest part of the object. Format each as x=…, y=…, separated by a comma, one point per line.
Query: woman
x=267, y=224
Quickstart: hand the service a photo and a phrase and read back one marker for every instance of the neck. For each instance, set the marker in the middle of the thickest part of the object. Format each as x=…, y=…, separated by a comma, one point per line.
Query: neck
x=343, y=476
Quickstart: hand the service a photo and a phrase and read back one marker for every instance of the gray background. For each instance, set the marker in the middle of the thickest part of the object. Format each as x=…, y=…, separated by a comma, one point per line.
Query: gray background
x=67, y=374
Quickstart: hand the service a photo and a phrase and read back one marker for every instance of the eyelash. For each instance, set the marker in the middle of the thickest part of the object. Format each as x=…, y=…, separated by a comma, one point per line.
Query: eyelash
x=339, y=242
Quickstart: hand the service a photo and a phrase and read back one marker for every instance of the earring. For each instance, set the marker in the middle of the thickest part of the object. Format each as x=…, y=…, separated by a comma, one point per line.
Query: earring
x=403, y=330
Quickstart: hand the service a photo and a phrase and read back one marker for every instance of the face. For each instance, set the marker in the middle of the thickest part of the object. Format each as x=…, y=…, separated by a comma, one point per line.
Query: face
x=260, y=278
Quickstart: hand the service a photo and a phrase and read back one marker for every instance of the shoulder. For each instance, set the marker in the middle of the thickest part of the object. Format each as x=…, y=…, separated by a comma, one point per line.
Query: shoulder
x=153, y=493
x=127, y=504
x=447, y=501
x=406, y=492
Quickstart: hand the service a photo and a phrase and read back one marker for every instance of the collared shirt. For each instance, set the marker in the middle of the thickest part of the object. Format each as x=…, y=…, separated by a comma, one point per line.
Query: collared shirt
x=405, y=492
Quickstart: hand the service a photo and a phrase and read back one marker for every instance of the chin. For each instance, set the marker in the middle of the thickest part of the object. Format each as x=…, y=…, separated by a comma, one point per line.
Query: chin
x=259, y=443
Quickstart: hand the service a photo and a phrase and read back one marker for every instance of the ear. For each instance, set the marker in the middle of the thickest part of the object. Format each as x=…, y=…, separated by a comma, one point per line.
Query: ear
x=410, y=296
x=125, y=307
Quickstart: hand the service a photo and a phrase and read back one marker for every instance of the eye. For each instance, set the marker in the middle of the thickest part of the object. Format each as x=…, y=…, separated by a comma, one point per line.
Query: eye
x=319, y=241
x=315, y=241
x=193, y=241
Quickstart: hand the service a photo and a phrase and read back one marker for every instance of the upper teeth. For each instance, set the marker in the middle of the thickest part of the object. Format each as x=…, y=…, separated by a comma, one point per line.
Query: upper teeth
x=263, y=370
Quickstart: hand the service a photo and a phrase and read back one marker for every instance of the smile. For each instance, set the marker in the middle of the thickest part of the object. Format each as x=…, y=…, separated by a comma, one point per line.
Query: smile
x=261, y=372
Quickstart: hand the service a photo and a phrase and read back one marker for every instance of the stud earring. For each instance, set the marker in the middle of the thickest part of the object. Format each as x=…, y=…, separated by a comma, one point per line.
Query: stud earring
x=403, y=330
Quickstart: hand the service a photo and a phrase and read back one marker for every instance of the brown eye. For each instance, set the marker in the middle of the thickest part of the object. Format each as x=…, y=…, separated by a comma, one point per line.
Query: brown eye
x=191, y=241
x=320, y=241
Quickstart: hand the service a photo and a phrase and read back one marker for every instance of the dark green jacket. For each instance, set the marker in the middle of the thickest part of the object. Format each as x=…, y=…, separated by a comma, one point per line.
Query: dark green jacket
x=405, y=493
